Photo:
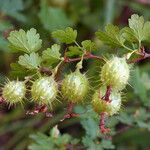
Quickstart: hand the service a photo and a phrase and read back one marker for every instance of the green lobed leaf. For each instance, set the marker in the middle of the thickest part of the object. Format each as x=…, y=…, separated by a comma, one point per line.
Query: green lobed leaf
x=139, y=87
x=67, y=36
x=128, y=34
x=88, y=45
x=146, y=31
x=74, y=51
x=107, y=144
x=27, y=42
x=51, y=142
x=52, y=55
x=140, y=28
x=111, y=36
x=20, y=72
x=53, y=18
x=31, y=61
x=137, y=23
x=41, y=142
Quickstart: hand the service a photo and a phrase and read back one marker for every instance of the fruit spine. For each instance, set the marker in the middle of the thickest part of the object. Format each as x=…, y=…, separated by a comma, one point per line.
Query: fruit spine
x=115, y=73
x=75, y=87
x=14, y=92
x=44, y=90
x=110, y=107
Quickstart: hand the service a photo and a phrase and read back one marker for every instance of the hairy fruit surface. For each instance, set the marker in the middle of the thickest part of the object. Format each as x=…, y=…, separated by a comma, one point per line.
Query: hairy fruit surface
x=14, y=91
x=75, y=87
x=115, y=73
x=100, y=105
x=44, y=90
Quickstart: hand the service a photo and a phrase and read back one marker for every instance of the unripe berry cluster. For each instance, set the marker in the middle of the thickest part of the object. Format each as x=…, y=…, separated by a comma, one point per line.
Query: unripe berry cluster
x=115, y=74
x=75, y=86
x=44, y=90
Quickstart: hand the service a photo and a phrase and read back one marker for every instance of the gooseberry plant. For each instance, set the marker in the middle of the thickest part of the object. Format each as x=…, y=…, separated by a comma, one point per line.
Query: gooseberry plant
x=41, y=69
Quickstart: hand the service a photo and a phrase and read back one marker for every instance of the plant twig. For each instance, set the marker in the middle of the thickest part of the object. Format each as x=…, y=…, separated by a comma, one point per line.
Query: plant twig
x=70, y=113
x=40, y=109
x=102, y=127
x=106, y=97
x=88, y=55
x=143, y=55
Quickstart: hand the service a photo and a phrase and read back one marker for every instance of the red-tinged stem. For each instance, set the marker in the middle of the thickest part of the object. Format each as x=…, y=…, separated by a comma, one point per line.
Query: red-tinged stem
x=107, y=94
x=70, y=113
x=143, y=56
x=2, y=101
x=40, y=109
x=88, y=55
x=102, y=127
x=106, y=97
x=70, y=107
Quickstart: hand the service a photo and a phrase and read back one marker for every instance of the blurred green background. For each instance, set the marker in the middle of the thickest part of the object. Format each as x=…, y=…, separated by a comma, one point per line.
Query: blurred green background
x=131, y=129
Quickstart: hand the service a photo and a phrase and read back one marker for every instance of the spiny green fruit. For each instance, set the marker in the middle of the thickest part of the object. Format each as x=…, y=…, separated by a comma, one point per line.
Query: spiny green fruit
x=100, y=105
x=75, y=87
x=115, y=73
x=14, y=92
x=44, y=90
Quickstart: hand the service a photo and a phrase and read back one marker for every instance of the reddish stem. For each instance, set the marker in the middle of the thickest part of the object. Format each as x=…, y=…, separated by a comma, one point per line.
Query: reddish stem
x=143, y=55
x=2, y=100
x=70, y=113
x=102, y=127
x=40, y=109
x=107, y=94
x=106, y=97
x=88, y=55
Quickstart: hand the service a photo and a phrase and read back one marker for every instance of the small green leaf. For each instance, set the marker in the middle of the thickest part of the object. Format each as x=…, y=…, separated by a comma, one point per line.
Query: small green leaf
x=146, y=31
x=125, y=118
x=139, y=87
x=52, y=55
x=74, y=51
x=88, y=45
x=91, y=127
x=18, y=71
x=129, y=35
x=31, y=61
x=141, y=29
x=107, y=144
x=67, y=36
x=27, y=42
x=112, y=36
x=137, y=23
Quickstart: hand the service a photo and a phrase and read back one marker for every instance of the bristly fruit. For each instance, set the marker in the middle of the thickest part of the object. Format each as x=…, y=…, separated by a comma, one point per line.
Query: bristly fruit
x=75, y=87
x=110, y=107
x=115, y=73
x=44, y=90
x=14, y=92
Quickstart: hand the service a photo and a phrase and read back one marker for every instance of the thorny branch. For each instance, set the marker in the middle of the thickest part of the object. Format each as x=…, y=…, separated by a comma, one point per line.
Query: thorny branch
x=70, y=113
x=40, y=109
x=106, y=97
x=87, y=55
x=102, y=126
x=143, y=55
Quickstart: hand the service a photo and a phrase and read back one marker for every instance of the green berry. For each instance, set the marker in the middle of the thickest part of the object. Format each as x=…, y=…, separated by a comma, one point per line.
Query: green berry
x=75, y=87
x=14, y=92
x=44, y=90
x=115, y=73
x=100, y=105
